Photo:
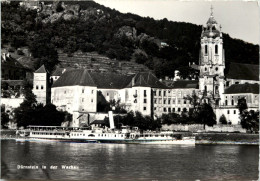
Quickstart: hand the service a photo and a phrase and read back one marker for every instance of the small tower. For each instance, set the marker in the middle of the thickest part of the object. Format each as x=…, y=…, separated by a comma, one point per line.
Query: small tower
x=41, y=85
x=212, y=61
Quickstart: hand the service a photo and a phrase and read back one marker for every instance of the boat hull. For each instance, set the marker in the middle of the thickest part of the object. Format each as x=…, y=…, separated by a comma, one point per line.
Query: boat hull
x=125, y=141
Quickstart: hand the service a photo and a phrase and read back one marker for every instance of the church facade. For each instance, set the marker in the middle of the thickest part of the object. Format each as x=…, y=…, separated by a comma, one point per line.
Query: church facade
x=81, y=92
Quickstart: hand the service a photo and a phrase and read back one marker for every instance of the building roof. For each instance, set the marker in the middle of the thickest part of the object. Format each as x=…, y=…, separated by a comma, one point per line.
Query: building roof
x=75, y=77
x=97, y=122
x=59, y=71
x=243, y=71
x=11, y=62
x=242, y=88
x=110, y=80
x=185, y=84
x=107, y=80
x=146, y=79
x=42, y=69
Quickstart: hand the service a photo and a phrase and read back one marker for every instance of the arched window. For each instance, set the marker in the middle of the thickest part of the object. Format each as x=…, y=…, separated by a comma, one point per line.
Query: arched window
x=226, y=102
x=216, y=49
x=232, y=102
x=206, y=49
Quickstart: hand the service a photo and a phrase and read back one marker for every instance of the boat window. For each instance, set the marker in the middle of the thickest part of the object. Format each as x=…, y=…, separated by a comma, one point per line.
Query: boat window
x=91, y=135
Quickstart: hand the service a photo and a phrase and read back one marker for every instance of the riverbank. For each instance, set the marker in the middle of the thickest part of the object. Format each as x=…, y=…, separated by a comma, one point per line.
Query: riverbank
x=201, y=138
x=227, y=138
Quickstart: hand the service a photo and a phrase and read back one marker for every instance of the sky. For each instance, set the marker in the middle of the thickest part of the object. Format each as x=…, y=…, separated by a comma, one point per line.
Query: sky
x=240, y=19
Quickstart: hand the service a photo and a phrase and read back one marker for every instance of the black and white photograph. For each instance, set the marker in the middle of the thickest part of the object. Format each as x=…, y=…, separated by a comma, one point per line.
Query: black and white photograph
x=129, y=90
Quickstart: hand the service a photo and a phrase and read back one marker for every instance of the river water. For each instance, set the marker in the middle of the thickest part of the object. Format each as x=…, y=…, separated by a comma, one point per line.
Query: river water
x=92, y=161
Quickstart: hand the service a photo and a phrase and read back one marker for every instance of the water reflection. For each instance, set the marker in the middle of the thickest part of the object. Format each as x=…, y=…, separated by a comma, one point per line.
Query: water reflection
x=132, y=162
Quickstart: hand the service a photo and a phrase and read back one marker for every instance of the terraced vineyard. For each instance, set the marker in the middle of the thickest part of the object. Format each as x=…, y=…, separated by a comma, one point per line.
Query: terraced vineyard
x=99, y=63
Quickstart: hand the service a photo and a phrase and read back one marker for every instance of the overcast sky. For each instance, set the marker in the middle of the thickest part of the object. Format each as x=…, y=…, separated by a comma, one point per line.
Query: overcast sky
x=240, y=19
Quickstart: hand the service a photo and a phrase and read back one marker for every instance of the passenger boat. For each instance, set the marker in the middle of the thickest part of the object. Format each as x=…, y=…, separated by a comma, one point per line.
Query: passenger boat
x=125, y=135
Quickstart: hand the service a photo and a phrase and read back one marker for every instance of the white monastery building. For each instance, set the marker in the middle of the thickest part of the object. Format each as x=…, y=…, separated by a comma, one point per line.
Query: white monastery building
x=81, y=92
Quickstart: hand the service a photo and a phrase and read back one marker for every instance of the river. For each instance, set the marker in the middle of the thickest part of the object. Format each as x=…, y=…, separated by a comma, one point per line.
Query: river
x=90, y=161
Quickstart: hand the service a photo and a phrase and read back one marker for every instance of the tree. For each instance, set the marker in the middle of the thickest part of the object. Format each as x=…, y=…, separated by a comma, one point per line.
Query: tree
x=4, y=118
x=207, y=115
x=241, y=105
x=223, y=119
x=248, y=119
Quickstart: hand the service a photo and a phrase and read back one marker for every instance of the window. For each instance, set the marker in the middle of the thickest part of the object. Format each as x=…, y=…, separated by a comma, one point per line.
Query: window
x=169, y=101
x=155, y=108
x=164, y=101
x=184, y=102
x=159, y=93
x=173, y=101
x=234, y=111
x=232, y=102
x=179, y=101
x=216, y=68
x=64, y=92
x=173, y=109
x=236, y=82
x=82, y=90
x=216, y=49
x=82, y=100
x=37, y=87
x=227, y=83
x=144, y=108
x=206, y=49
x=155, y=100
x=41, y=86
x=164, y=93
x=227, y=111
x=145, y=101
x=179, y=109
x=91, y=100
x=205, y=68
x=226, y=102
x=164, y=109
x=169, y=109
x=144, y=93
x=107, y=94
x=154, y=93
x=92, y=92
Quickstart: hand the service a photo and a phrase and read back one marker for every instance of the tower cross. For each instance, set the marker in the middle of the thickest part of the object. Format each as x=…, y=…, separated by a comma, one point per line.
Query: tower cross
x=211, y=8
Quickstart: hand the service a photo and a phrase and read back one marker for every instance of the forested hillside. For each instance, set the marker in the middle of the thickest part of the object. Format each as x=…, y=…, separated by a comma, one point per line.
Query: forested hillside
x=87, y=26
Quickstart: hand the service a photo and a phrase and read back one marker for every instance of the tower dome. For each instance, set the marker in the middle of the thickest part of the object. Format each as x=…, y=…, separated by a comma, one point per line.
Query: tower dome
x=211, y=30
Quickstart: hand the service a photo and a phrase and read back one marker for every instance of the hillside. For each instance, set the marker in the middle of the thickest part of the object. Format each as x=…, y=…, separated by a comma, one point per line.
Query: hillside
x=76, y=33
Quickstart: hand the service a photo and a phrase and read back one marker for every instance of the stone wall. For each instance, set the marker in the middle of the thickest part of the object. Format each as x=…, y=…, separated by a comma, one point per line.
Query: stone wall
x=200, y=128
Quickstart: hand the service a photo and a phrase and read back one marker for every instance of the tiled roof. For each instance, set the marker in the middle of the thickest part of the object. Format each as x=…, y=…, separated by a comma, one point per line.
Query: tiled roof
x=10, y=61
x=242, y=88
x=107, y=80
x=147, y=79
x=243, y=71
x=110, y=80
x=42, y=69
x=75, y=77
x=185, y=84
x=97, y=122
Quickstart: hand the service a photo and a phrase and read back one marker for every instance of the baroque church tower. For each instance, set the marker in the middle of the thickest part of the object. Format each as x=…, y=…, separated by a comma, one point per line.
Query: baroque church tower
x=212, y=62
